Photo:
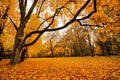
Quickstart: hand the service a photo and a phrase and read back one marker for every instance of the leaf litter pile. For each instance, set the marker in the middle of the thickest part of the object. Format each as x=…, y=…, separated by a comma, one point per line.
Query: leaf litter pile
x=75, y=68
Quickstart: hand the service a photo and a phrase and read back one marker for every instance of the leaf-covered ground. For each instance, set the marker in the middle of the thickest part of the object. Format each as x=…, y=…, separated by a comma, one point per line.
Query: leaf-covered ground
x=75, y=68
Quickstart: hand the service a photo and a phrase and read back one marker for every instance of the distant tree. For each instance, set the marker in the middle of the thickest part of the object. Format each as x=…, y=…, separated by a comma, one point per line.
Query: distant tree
x=52, y=44
x=75, y=41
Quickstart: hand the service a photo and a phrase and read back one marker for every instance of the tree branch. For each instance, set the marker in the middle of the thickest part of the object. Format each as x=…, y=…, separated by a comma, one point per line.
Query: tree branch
x=90, y=14
x=31, y=43
x=25, y=4
x=72, y=20
x=82, y=8
x=22, y=10
x=30, y=11
x=14, y=24
x=88, y=24
x=69, y=10
x=40, y=8
x=59, y=28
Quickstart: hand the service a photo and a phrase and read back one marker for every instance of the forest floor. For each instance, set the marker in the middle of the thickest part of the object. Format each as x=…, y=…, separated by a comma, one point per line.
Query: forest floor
x=65, y=68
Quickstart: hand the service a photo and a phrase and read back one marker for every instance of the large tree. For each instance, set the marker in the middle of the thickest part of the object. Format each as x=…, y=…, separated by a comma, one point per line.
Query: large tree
x=68, y=11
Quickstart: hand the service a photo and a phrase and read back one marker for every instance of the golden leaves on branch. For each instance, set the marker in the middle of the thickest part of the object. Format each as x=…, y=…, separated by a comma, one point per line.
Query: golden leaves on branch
x=61, y=2
x=102, y=38
x=53, y=5
x=33, y=24
x=55, y=23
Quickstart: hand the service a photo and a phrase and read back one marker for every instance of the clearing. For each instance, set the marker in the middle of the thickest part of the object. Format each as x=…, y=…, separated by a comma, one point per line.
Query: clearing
x=65, y=68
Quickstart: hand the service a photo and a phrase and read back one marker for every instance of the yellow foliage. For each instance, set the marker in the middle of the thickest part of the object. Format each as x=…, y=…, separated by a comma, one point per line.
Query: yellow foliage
x=59, y=50
x=55, y=24
x=33, y=24
x=8, y=37
x=35, y=48
x=54, y=5
x=86, y=33
x=98, y=50
x=61, y=2
x=103, y=38
x=75, y=24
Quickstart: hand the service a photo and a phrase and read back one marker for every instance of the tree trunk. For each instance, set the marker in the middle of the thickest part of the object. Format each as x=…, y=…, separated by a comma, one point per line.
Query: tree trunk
x=23, y=54
x=91, y=46
x=52, y=53
x=15, y=59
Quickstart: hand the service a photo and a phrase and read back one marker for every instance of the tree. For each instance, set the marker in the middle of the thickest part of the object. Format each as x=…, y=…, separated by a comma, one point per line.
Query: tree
x=47, y=22
x=3, y=19
x=91, y=45
x=79, y=43
x=51, y=41
x=52, y=46
x=75, y=42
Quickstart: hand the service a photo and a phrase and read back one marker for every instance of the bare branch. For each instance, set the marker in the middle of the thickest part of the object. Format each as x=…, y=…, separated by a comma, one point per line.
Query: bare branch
x=14, y=24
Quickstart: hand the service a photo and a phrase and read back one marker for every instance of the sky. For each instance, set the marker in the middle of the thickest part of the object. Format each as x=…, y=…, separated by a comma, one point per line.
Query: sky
x=29, y=4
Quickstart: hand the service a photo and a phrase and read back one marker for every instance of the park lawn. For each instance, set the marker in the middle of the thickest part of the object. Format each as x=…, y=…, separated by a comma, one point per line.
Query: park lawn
x=65, y=68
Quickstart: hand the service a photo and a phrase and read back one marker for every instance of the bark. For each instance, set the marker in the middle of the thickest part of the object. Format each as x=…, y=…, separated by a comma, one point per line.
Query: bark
x=23, y=54
x=15, y=59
